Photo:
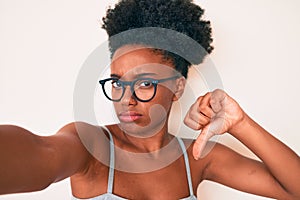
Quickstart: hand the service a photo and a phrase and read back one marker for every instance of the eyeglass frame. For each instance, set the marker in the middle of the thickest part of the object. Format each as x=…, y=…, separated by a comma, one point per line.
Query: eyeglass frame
x=155, y=82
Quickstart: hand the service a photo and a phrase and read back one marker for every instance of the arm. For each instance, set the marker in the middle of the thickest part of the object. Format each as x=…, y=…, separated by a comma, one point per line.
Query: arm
x=277, y=176
x=229, y=168
x=30, y=162
x=280, y=161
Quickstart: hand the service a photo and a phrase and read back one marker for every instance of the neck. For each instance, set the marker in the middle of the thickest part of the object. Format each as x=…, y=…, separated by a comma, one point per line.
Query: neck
x=150, y=144
x=145, y=142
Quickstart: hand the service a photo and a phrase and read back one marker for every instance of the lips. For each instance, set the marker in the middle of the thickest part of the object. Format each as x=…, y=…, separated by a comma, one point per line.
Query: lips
x=129, y=116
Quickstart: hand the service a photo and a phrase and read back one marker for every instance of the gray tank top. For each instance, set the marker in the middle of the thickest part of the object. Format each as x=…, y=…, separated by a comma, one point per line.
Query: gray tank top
x=109, y=194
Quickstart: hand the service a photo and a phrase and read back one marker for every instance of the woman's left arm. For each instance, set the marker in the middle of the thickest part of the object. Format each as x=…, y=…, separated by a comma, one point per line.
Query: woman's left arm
x=280, y=160
x=277, y=176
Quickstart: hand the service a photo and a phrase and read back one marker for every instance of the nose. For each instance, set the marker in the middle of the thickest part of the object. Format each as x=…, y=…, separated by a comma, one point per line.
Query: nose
x=128, y=98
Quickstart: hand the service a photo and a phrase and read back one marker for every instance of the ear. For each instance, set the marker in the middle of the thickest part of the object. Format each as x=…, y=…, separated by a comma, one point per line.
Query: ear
x=180, y=85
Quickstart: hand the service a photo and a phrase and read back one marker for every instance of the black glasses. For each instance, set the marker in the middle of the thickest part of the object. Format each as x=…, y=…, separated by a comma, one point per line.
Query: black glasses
x=142, y=89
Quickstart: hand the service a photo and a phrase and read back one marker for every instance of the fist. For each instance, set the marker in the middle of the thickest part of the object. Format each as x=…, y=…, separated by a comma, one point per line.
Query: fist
x=214, y=113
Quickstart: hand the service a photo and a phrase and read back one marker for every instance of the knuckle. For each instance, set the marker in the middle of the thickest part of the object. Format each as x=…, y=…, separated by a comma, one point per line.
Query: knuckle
x=192, y=125
x=192, y=115
x=208, y=94
x=199, y=98
x=202, y=107
x=218, y=91
x=204, y=121
x=198, y=127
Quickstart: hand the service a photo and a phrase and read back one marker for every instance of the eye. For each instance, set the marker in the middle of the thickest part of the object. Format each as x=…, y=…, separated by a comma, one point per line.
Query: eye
x=144, y=84
x=116, y=84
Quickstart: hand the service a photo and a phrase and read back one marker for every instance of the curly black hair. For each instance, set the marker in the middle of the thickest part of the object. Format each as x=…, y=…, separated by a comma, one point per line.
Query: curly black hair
x=182, y=16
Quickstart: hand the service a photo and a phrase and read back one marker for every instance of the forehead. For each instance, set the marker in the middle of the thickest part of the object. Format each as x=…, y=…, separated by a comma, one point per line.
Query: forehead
x=135, y=59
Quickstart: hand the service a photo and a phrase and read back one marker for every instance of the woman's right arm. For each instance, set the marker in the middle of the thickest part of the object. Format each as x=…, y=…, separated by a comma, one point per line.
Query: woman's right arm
x=29, y=162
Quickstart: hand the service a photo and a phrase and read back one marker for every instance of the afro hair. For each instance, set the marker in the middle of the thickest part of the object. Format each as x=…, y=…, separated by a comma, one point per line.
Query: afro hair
x=182, y=16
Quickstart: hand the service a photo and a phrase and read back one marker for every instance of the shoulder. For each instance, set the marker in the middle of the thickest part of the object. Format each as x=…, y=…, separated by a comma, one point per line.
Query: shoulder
x=83, y=132
x=76, y=127
x=82, y=142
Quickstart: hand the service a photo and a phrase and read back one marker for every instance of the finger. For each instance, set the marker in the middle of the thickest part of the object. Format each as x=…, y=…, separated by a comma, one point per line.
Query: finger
x=192, y=124
x=200, y=143
x=205, y=107
x=198, y=117
x=217, y=100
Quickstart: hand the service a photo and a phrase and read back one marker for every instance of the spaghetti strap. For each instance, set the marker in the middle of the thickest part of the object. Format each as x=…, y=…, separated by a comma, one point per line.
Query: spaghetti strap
x=111, y=163
x=110, y=196
x=187, y=166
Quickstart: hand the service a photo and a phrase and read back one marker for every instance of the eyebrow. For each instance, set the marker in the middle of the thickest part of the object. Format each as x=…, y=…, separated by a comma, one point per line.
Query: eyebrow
x=114, y=75
x=137, y=76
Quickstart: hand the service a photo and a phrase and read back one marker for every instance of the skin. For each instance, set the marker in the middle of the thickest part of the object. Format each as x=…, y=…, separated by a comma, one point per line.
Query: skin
x=26, y=166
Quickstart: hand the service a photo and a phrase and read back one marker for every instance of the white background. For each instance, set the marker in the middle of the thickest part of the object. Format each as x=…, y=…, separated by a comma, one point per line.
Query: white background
x=44, y=43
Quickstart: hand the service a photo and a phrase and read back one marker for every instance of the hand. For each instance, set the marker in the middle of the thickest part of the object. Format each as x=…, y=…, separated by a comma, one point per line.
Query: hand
x=215, y=113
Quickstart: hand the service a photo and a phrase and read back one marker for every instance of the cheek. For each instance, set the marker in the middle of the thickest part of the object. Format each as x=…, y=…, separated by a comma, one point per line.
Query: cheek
x=117, y=107
x=164, y=98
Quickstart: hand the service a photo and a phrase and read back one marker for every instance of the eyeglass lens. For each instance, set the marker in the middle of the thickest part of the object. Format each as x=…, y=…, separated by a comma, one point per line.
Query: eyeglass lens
x=143, y=89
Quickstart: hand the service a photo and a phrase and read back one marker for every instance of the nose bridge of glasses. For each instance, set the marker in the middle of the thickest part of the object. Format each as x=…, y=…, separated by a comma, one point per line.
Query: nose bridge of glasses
x=126, y=84
x=129, y=85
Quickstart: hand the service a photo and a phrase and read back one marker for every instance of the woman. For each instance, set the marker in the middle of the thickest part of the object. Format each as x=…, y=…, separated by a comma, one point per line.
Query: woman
x=214, y=113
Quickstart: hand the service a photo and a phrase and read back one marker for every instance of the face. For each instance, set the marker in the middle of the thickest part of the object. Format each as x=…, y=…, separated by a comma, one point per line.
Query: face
x=144, y=119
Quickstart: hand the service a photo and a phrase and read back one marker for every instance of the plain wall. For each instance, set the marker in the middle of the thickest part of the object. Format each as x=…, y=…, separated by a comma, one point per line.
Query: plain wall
x=44, y=43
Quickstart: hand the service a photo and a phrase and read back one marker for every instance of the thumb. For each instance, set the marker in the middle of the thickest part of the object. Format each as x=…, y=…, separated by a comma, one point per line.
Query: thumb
x=215, y=127
x=200, y=142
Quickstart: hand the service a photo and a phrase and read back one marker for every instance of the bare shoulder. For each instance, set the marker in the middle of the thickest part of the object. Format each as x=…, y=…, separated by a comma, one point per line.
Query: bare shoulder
x=88, y=143
x=74, y=128
x=72, y=147
x=84, y=135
